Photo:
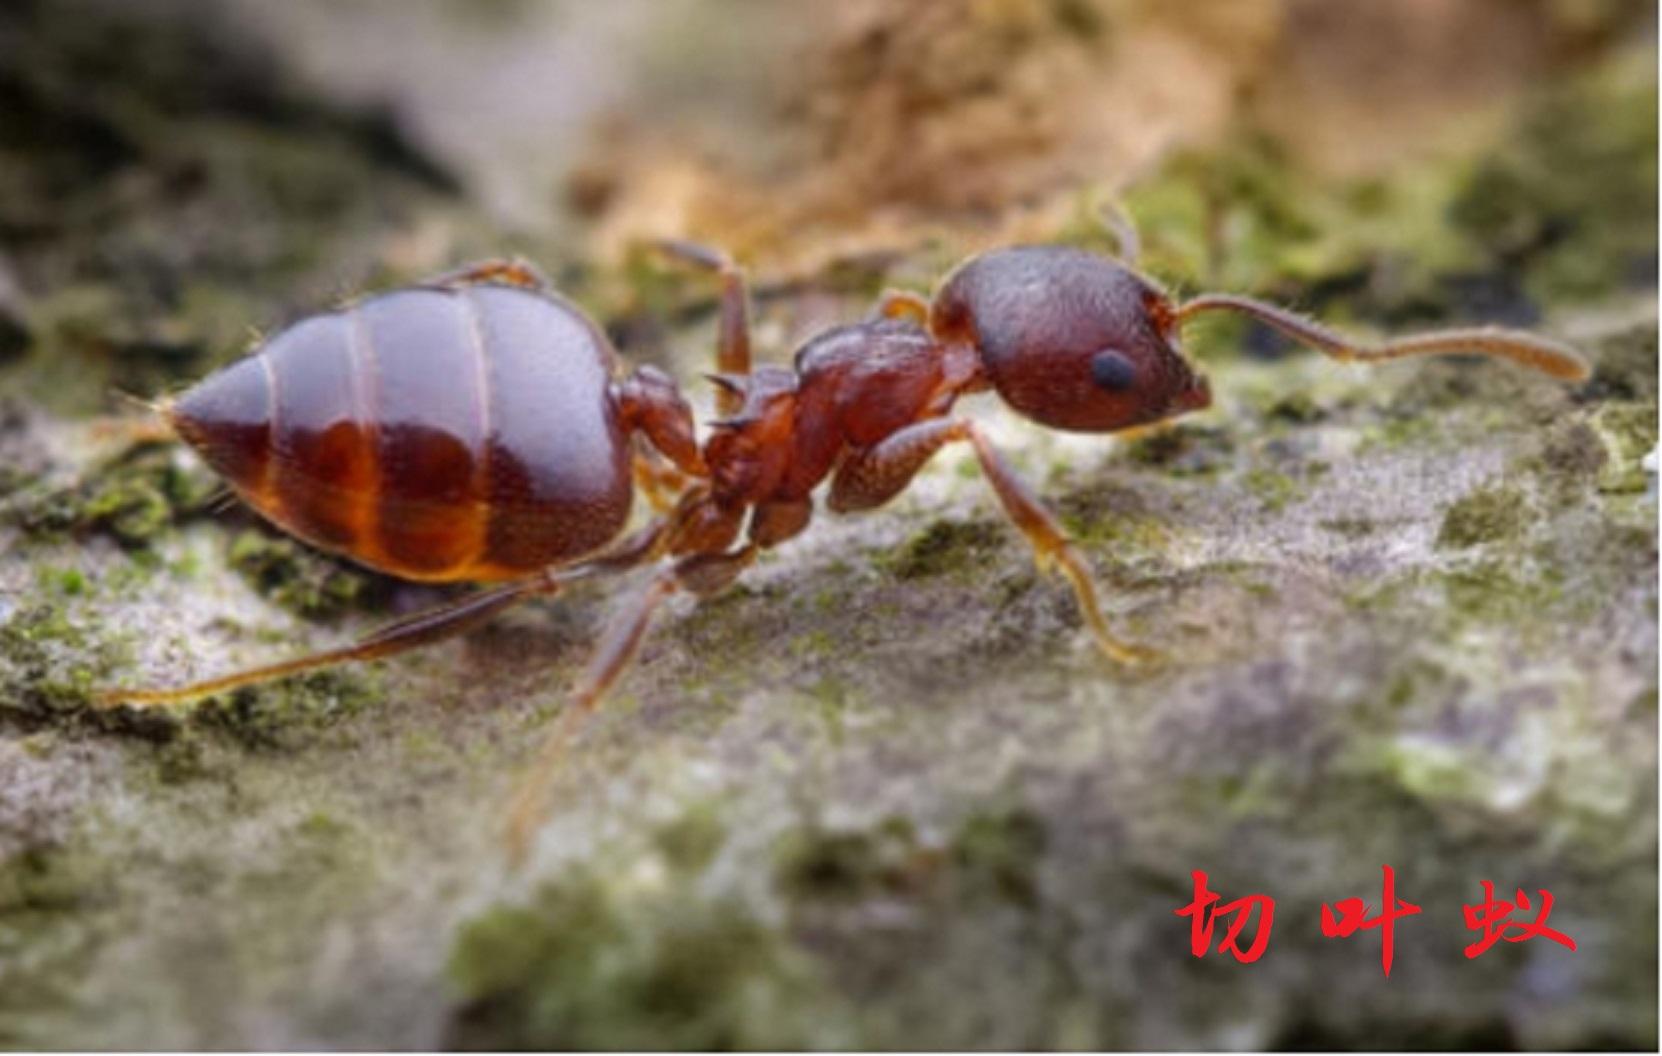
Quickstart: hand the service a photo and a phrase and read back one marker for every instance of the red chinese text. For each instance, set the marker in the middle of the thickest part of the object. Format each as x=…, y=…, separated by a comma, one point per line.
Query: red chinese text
x=1492, y=916
x=1352, y=911
x=1202, y=916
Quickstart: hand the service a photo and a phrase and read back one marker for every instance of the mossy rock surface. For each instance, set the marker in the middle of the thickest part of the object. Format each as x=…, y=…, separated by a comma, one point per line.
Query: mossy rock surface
x=884, y=793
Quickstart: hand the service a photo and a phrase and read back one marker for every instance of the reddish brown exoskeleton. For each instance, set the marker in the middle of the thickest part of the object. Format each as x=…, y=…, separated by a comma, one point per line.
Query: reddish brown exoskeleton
x=479, y=428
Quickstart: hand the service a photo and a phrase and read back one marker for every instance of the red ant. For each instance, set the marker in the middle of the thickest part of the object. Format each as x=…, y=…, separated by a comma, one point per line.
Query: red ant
x=478, y=428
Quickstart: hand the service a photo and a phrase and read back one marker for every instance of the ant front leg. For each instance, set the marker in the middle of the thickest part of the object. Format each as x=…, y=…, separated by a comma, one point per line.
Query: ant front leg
x=733, y=333
x=701, y=575
x=505, y=271
x=872, y=477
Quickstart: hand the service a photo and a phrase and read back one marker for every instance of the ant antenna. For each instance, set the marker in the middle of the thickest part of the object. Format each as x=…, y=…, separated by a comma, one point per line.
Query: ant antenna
x=1537, y=353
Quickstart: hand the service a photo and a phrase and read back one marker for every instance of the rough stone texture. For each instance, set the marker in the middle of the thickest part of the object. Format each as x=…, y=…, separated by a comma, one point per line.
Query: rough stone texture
x=884, y=793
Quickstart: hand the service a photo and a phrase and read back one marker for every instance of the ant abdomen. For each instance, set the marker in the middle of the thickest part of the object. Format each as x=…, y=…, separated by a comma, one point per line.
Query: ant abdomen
x=430, y=433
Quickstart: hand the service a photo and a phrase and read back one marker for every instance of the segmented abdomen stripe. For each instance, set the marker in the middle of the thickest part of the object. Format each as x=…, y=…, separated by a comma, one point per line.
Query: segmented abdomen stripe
x=431, y=433
x=322, y=462
x=430, y=423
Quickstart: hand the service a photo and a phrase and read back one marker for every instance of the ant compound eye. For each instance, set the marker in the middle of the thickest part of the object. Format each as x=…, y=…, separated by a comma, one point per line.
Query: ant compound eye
x=1111, y=370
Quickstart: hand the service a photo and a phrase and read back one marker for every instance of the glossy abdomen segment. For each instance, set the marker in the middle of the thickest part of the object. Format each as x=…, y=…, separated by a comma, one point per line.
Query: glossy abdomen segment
x=433, y=434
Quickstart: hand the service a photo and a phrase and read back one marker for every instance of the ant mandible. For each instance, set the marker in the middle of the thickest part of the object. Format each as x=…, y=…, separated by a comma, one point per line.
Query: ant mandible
x=478, y=428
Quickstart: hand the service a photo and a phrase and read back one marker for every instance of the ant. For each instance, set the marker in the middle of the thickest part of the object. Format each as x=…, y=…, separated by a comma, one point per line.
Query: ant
x=478, y=427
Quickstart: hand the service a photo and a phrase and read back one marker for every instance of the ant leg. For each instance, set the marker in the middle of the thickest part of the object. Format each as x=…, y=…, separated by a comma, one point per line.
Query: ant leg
x=1536, y=353
x=408, y=633
x=775, y=521
x=422, y=628
x=1052, y=548
x=867, y=479
x=506, y=271
x=733, y=333
x=702, y=575
x=870, y=478
x=660, y=482
x=901, y=304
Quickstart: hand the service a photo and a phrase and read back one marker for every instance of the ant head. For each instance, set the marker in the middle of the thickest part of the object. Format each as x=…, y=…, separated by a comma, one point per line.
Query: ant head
x=1070, y=339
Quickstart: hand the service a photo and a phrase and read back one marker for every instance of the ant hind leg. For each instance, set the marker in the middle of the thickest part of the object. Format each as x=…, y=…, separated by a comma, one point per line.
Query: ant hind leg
x=701, y=575
x=423, y=628
x=503, y=271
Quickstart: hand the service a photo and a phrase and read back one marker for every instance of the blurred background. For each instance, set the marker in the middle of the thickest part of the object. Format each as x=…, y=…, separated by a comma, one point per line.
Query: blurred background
x=879, y=796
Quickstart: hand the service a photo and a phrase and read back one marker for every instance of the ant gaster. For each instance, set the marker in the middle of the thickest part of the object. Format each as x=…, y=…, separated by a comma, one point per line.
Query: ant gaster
x=479, y=428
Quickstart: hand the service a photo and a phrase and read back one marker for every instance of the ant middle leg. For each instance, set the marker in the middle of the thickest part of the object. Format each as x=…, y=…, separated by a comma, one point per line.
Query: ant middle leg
x=872, y=477
x=733, y=333
x=701, y=575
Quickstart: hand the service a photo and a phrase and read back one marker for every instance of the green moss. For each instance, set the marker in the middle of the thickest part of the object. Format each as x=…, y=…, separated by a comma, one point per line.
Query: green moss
x=55, y=913
x=1296, y=407
x=1246, y=216
x=64, y=582
x=1571, y=195
x=945, y=548
x=1627, y=433
x=1567, y=459
x=291, y=713
x=998, y=852
x=1113, y=519
x=692, y=840
x=43, y=878
x=1274, y=490
x=1351, y=527
x=992, y=854
x=50, y=663
x=594, y=962
x=1181, y=448
x=1401, y=430
x=819, y=865
x=298, y=578
x=1563, y=205
x=133, y=498
x=1496, y=592
x=1485, y=515
x=181, y=759
x=812, y=644
x=1624, y=365
x=134, y=511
